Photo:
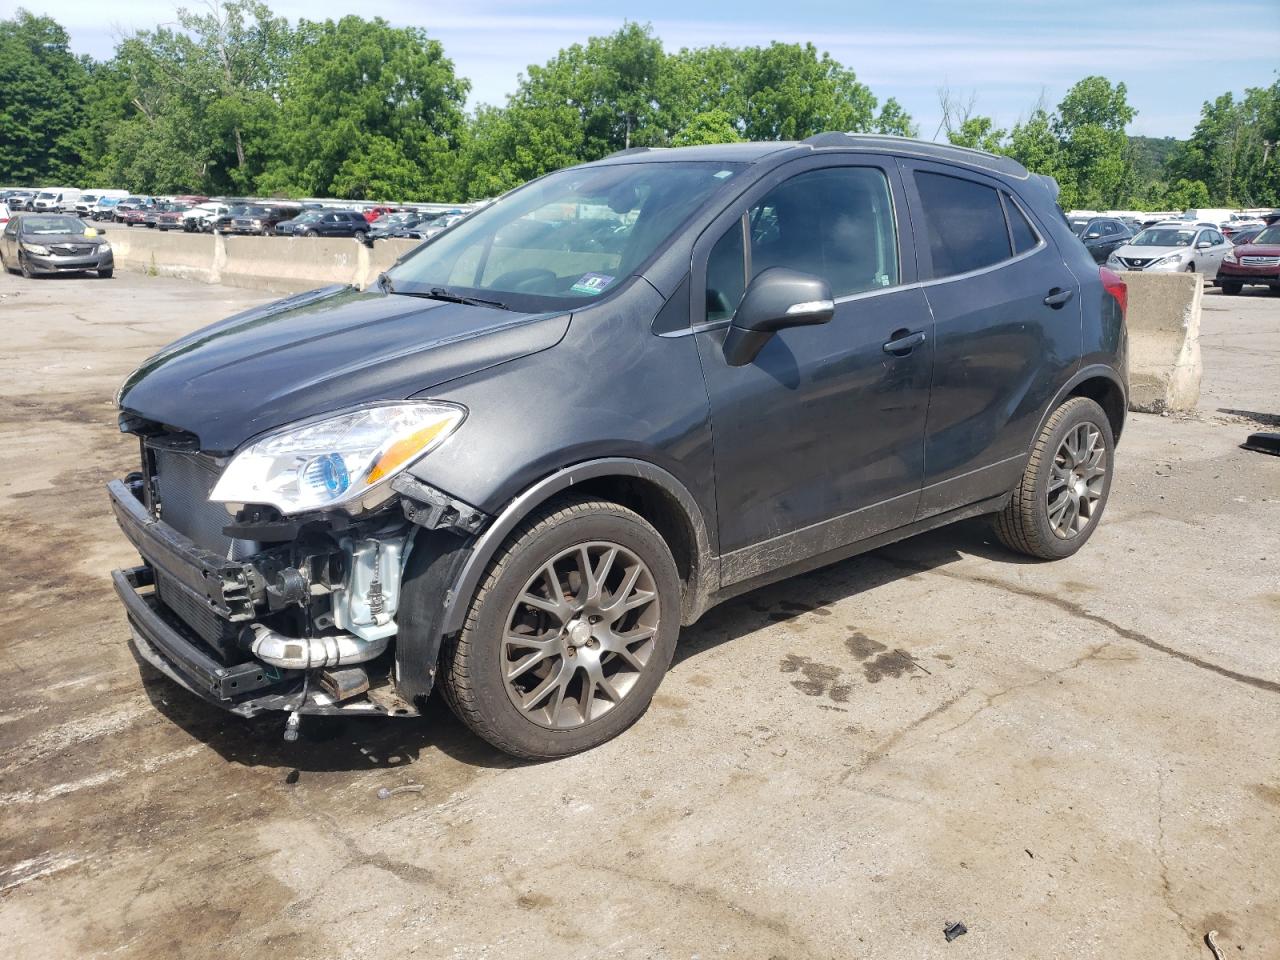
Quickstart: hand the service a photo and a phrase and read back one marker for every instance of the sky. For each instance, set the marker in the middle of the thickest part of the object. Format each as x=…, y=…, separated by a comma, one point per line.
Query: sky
x=1172, y=54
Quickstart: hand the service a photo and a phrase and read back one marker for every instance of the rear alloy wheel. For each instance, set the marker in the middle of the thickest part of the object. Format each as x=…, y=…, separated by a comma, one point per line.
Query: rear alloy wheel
x=1057, y=504
x=569, y=635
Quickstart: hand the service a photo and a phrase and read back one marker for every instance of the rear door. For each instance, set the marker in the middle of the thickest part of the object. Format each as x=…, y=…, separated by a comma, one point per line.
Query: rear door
x=819, y=441
x=1007, y=315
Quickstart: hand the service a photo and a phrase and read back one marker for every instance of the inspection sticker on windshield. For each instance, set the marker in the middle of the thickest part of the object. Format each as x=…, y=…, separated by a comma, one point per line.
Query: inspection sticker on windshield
x=591, y=283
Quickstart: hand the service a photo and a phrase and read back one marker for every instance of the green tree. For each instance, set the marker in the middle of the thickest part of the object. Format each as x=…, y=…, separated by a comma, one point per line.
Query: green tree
x=1090, y=124
x=357, y=79
x=893, y=119
x=42, y=85
x=1233, y=148
x=710, y=126
x=979, y=133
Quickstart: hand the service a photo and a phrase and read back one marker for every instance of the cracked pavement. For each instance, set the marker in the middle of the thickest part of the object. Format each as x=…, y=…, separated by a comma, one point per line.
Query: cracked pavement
x=1079, y=759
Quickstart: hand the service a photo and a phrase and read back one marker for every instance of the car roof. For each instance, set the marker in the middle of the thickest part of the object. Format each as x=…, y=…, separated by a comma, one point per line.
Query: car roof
x=786, y=149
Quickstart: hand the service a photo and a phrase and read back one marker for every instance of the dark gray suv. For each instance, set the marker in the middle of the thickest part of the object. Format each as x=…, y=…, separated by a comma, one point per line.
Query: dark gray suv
x=571, y=424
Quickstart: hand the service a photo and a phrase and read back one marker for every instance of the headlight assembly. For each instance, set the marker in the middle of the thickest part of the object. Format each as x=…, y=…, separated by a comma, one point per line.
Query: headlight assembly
x=336, y=461
x=39, y=249
x=1171, y=258
x=1230, y=258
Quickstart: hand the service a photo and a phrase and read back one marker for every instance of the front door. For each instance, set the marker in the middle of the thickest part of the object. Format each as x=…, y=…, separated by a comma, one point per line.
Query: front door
x=819, y=442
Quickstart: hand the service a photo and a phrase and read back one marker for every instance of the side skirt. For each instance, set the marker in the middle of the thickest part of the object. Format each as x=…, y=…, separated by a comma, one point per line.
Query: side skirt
x=844, y=552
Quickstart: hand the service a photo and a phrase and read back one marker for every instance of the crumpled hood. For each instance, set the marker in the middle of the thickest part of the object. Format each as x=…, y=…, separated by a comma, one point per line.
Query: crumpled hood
x=321, y=352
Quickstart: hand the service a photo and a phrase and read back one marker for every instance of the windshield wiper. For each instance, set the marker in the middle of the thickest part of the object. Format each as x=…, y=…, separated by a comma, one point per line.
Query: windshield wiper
x=440, y=293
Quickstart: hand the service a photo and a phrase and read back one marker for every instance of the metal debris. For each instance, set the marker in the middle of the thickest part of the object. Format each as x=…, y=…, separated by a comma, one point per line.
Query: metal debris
x=1263, y=443
x=953, y=930
x=1211, y=938
x=385, y=792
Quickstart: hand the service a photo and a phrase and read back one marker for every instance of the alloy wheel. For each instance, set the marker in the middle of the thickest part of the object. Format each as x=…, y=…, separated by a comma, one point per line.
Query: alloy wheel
x=1077, y=480
x=579, y=635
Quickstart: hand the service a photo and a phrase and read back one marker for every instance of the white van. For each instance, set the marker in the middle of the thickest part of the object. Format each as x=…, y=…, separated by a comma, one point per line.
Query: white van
x=89, y=198
x=56, y=198
x=1215, y=215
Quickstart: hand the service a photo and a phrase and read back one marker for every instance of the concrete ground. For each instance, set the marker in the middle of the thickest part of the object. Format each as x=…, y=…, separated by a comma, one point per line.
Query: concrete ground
x=1079, y=759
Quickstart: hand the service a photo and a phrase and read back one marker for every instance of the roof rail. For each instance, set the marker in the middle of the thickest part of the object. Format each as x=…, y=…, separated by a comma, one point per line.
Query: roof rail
x=927, y=148
x=628, y=152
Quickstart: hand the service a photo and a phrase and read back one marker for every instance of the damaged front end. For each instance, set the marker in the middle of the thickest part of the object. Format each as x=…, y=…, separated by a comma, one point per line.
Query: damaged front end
x=262, y=610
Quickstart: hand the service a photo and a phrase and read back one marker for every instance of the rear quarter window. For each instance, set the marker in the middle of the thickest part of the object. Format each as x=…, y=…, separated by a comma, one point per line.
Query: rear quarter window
x=964, y=222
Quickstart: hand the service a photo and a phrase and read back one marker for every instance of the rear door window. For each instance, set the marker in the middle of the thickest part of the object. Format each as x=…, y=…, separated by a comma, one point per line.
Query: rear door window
x=1024, y=235
x=964, y=222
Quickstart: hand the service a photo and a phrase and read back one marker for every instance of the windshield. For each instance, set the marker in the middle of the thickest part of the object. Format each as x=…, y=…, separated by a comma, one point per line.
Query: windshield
x=43, y=225
x=1077, y=226
x=1164, y=237
x=309, y=217
x=46, y=196
x=565, y=239
x=1269, y=235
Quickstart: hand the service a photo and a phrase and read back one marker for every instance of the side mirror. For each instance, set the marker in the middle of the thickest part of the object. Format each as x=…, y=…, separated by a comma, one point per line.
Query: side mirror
x=1203, y=245
x=1094, y=235
x=776, y=299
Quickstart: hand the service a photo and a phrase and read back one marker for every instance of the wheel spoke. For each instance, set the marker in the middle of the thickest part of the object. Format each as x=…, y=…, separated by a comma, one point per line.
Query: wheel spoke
x=563, y=663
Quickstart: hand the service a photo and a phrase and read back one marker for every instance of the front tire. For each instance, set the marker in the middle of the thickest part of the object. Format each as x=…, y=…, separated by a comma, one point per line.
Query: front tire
x=23, y=267
x=569, y=634
x=105, y=274
x=1059, y=501
x=1231, y=289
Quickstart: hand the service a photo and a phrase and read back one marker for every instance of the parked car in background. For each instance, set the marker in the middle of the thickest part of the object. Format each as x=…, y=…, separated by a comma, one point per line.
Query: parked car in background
x=133, y=216
x=261, y=218
x=55, y=199
x=1173, y=247
x=89, y=200
x=1102, y=235
x=332, y=223
x=170, y=216
x=406, y=225
x=1232, y=227
x=131, y=203
x=442, y=223
x=292, y=226
x=104, y=208
x=35, y=243
x=200, y=217
x=1245, y=235
x=4, y=214
x=534, y=525
x=373, y=213
x=1252, y=264
x=17, y=199
x=222, y=222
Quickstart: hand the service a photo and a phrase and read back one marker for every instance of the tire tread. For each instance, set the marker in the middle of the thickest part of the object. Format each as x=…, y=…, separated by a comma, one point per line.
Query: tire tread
x=1017, y=526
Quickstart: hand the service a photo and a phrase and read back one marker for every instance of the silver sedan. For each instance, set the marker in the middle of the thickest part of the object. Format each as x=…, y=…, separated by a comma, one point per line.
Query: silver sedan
x=1173, y=248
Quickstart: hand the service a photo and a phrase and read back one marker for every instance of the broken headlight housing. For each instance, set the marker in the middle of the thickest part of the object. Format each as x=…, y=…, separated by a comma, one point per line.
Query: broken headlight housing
x=338, y=460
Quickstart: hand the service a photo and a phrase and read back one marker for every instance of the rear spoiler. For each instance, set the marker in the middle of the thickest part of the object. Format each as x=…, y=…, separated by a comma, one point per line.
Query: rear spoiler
x=1050, y=184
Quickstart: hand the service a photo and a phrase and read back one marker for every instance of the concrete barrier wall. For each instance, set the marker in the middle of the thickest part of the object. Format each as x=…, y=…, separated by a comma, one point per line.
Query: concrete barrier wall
x=1164, y=341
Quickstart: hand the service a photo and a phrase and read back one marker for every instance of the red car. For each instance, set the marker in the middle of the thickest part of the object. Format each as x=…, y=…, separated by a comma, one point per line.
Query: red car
x=1257, y=262
x=373, y=213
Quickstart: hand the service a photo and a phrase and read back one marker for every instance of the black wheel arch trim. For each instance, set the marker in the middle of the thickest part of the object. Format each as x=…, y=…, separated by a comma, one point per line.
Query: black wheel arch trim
x=1096, y=371
x=450, y=567
x=704, y=578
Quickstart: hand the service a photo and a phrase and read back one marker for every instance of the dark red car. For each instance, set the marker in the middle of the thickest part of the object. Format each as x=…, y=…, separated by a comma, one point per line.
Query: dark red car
x=1257, y=263
x=373, y=213
x=168, y=216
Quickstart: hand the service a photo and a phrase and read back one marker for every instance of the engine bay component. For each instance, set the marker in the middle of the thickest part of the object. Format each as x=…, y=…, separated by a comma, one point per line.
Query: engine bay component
x=308, y=653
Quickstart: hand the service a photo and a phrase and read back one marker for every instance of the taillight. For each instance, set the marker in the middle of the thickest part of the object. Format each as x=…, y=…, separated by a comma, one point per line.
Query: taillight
x=1114, y=285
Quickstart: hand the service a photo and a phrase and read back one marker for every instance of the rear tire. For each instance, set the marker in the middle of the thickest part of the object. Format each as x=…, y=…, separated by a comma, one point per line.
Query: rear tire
x=1059, y=501
x=576, y=681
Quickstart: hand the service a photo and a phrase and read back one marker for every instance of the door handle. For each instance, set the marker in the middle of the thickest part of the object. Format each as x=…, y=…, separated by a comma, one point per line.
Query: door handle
x=1058, y=297
x=904, y=342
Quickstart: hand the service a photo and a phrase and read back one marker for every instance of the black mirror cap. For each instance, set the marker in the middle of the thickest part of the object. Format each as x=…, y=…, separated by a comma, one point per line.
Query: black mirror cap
x=777, y=298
